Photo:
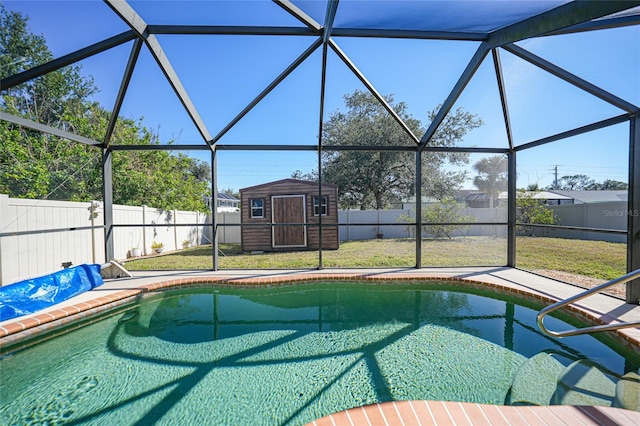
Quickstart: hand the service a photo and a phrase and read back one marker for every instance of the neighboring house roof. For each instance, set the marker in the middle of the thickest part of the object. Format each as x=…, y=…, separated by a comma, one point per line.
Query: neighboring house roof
x=466, y=194
x=288, y=181
x=424, y=198
x=539, y=195
x=581, y=197
x=231, y=203
x=223, y=196
x=478, y=196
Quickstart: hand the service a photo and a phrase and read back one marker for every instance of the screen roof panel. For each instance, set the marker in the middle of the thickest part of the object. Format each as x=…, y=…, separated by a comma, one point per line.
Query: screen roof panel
x=426, y=15
x=68, y=25
x=216, y=12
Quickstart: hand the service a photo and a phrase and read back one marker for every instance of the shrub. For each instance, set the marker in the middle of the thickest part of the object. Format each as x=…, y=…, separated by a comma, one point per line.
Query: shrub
x=441, y=220
x=532, y=210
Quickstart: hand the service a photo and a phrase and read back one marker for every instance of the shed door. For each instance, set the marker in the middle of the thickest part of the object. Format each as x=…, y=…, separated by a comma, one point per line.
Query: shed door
x=288, y=209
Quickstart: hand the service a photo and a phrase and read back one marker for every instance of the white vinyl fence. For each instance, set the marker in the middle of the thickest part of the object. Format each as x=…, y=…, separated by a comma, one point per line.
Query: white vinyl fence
x=609, y=215
x=27, y=256
x=363, y=224
x=162, y=229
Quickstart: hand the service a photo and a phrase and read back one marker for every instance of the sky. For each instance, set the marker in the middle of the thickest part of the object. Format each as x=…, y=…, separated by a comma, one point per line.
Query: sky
x=222, y=74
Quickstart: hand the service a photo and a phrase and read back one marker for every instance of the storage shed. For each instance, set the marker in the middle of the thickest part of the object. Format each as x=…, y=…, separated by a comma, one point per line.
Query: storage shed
x=290, y=202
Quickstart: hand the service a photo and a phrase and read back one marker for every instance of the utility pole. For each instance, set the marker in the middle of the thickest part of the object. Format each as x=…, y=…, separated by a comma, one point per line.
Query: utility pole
x=555, y=174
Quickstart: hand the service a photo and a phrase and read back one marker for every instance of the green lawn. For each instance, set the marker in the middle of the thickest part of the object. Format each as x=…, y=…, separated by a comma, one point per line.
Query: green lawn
x=596, y=259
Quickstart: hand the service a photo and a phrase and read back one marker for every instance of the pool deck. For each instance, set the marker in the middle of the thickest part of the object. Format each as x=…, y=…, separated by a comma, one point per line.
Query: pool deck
x=599, y=308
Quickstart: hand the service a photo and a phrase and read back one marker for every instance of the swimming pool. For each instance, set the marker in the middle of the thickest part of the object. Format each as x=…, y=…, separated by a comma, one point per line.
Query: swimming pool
x=290, y=354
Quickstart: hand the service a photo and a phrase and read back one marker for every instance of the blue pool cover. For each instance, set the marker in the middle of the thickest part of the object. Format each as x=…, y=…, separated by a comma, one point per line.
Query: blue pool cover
x=29, y=296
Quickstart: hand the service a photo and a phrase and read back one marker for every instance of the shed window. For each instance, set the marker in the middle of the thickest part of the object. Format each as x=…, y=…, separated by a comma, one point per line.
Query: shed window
x=257, y=207
x=319, y=208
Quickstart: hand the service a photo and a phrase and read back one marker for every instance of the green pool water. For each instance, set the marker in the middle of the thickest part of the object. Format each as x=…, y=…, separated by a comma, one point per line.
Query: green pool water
x=283, y=355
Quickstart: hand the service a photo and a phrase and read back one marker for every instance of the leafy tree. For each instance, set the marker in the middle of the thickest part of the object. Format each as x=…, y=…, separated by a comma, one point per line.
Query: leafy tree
x=157, y=178
x=492, y=176
x=374, y=179
x=533, y=187
x=38, y=165
x=201, y=171
x=583, y=182
x=49, y=99
x=33, y=164
x=574, y=183
x=310, y=177
x=532, y=210
x=608, y=185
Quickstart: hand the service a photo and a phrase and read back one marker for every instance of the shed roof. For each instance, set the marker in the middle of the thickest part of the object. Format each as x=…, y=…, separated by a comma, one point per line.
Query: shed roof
x=290, y=182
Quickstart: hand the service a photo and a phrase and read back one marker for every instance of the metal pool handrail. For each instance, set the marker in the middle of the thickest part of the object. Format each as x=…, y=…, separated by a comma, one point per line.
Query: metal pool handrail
x=605, y=327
